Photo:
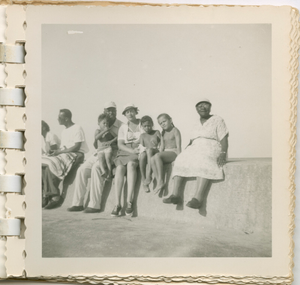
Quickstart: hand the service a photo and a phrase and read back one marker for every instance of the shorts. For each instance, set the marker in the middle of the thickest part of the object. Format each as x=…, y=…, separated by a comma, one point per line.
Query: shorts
x=172, y=149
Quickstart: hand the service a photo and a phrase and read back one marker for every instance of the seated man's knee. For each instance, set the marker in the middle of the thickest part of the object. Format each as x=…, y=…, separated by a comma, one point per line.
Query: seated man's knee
x=82, y=170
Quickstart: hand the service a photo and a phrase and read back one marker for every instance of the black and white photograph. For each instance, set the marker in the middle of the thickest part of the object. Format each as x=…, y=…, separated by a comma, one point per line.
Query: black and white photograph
x=156, y=140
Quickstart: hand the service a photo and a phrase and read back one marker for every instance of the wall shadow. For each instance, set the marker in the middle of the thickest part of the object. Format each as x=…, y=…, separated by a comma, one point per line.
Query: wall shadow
x=135, y=195
x=69, y=179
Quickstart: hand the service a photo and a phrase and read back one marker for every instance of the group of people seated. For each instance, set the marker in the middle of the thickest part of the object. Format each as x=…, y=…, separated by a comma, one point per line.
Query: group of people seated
x=128, y=147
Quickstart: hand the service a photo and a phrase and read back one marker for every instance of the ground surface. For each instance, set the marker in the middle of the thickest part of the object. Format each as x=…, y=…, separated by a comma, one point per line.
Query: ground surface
x=159, y=230
x=67, y=234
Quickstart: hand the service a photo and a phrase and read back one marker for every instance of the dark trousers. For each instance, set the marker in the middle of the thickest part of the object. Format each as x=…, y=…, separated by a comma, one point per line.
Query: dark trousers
x=50, y=183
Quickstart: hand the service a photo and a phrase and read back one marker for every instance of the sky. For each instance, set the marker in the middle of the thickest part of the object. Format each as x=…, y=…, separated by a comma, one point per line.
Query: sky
x=162, y=69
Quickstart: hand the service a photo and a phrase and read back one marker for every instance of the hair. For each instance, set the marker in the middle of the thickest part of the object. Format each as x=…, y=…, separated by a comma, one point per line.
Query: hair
x=166, y=116
x=44, y=124
x=67, y=113
x=103, y=117
x=146, y=119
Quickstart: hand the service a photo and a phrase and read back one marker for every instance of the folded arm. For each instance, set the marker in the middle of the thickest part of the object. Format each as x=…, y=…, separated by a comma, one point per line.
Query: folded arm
x=73, y=148
x=122, y=146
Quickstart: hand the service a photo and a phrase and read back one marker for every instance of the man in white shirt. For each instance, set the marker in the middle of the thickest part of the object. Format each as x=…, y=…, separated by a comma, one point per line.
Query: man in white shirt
x=58, y=164
x=91, y=169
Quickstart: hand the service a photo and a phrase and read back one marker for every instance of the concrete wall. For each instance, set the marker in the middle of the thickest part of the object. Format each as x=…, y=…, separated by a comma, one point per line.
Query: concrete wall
x=243, y=201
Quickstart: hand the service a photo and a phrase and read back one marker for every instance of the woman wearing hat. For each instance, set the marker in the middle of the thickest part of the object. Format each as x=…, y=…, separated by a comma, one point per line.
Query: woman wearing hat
x=127, y=158
x=204, y=157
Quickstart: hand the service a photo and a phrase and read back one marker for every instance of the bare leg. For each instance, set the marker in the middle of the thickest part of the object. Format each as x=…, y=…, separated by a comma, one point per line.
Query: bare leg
x=143, y=163
x=150, y=152
x=108, y=158
x=177, y=183
x=153, y=166
x=161, y=159
x=131, y=179
x=175, y=198
x=102, y=163
x=202, y=184
x=119, y=181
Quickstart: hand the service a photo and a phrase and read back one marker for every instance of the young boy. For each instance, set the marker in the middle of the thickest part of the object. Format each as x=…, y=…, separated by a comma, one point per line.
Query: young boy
x=104, y=150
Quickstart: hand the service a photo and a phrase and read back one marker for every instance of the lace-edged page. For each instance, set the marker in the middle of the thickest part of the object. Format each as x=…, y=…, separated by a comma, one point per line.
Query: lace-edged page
x=55, y=34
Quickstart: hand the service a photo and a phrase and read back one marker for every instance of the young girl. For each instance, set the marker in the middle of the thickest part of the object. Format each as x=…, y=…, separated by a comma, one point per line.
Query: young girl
x=170, y=148
x=149, y=144
x=104, y=149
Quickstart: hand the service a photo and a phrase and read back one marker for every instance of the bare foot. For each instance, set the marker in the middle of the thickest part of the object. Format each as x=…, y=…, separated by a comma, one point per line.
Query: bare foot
x=159, y=187
x=147, y=181
x=146, y=188
x=108, y=176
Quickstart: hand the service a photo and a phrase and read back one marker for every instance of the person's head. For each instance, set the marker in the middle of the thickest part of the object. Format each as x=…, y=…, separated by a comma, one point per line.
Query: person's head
x=130, y=111
x=203, y=107
x=165, y=121
x=103, y=121
x=147, y=124
x=45, y=128
x=64, y=117
x=110, y=109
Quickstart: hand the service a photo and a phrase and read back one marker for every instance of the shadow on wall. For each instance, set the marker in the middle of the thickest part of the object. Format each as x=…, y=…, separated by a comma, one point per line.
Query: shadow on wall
x=166, y=191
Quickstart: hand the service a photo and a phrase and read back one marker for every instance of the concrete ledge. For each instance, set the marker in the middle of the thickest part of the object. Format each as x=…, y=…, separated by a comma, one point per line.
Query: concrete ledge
x=242, y=201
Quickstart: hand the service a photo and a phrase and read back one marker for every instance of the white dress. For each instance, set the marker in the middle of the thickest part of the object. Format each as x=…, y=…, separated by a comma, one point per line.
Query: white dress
x=200, y=158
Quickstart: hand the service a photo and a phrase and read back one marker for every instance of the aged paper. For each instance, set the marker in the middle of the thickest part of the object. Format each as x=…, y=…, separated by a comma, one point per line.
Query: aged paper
x=274, y=265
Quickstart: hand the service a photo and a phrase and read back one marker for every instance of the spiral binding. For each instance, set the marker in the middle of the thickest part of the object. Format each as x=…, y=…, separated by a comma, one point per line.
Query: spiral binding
x=11, y=183
x=11, y=96
x=12, y=53
x=10, y=227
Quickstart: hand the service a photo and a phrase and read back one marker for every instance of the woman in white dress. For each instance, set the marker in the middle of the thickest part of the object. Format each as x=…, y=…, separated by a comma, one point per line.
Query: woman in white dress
x=203, y=158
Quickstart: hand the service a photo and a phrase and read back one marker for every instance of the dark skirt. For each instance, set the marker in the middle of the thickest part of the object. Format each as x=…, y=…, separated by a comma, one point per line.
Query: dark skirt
x=123, y=157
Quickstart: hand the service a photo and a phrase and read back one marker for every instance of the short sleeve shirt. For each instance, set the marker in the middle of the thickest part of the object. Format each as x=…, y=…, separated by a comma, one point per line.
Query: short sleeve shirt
x=50, y=140
x=72, y=135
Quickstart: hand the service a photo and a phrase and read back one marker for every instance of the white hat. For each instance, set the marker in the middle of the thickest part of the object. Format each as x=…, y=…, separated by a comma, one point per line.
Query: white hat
x=110, y=105
x=203, y=100
x=129, y=106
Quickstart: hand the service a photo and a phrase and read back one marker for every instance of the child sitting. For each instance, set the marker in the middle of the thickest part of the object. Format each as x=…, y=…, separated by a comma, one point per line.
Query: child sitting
x=149, y=143
x=104, y=150
x=170, y=148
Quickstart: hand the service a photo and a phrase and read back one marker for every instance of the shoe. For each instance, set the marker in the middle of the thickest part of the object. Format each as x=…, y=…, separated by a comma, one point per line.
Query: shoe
x=116, y=211
x=194, y=204
x=75, y=209
x=89, y=210
x=53, y=204
x=172, y=199
x=129, y=209
x=45, y=201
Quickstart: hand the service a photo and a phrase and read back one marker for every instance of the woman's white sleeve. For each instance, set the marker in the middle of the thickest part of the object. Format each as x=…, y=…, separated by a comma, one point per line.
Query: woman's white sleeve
x=222, y=130
x=121, y=133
